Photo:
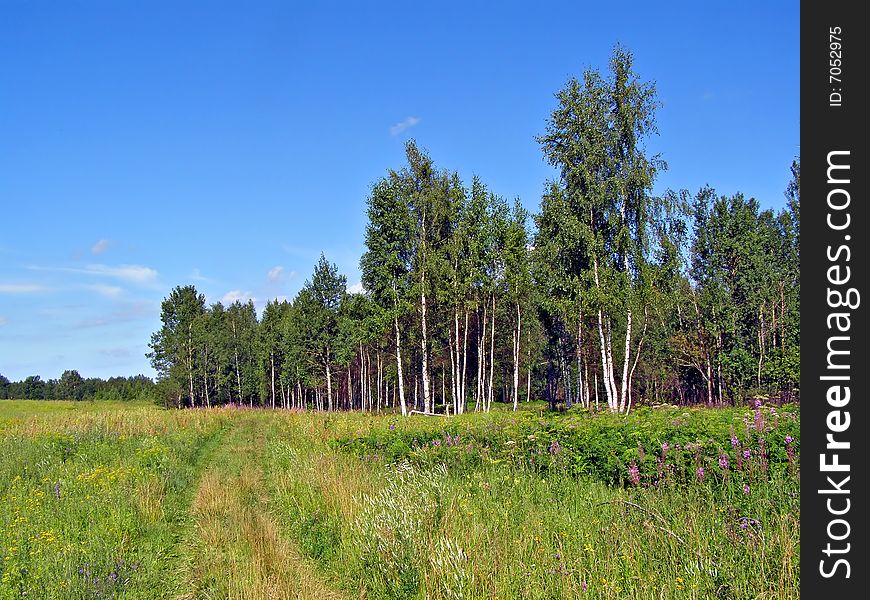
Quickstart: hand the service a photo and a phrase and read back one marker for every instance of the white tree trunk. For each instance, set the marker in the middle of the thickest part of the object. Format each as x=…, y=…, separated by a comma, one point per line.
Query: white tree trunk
x=454, y=360
x=399, y=369
x=380, y=378
x=623, y=397
x=464, y=375
x=606, y=353
x=491, y=356
x=481, y=366
x=427, y=397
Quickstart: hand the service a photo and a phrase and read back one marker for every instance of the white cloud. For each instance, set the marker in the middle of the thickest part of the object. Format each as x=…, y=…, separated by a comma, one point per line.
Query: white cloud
x=101, y=246
x=356, y=288
x=275, y=273
x=130, y=273
x=404, y=125
x=21, y=288
x=239, y=295
x=109, y=291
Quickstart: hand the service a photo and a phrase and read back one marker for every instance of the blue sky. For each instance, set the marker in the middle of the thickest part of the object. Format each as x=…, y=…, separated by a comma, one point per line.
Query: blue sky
x=145, y=145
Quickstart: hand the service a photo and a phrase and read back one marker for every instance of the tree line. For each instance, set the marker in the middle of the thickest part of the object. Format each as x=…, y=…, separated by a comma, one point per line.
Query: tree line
x=607, y=296
x=72, y=386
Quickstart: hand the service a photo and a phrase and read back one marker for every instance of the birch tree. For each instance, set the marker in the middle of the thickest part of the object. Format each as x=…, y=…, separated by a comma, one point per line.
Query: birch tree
x=386, y=264
x=173, y=351
x=594, y=137
x=517, y=284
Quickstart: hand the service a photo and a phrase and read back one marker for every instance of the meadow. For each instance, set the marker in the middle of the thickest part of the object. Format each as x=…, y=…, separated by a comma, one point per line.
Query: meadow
x=120, y=500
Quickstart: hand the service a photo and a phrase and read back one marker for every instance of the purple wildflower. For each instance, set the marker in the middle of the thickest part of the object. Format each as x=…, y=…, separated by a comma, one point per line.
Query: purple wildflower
x=700, y=473
x=788, y=439
x=757, y=403
x=665, y=447
x=57, y=490
x=734, y=441
x=746, y=489
x=392, y=426
x=747, y=454
x=723, y=462
x=583, y=585
x=436, y=442
x=759, y=420
x=634, y=473
x=555, y=447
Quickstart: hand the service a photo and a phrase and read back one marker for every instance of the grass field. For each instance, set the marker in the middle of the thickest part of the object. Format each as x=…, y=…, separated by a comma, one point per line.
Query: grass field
x=104, y=500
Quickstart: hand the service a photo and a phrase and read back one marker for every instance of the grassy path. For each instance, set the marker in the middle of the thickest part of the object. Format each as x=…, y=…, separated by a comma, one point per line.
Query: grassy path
x=235, y=548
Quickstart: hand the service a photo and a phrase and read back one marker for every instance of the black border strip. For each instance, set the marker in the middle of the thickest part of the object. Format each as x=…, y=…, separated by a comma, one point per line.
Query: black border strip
x=833, y=120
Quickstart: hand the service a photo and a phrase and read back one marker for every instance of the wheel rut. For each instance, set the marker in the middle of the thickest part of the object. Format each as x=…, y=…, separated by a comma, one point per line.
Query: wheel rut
x=235, y=548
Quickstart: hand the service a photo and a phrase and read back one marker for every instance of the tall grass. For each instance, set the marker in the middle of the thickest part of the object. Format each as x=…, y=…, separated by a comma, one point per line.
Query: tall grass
x=488, y=525
x=93, y=502
x=140, y=502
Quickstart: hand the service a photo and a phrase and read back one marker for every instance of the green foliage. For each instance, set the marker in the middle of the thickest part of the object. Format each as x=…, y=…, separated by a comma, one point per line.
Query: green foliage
x=511, y=528
x=601, y=446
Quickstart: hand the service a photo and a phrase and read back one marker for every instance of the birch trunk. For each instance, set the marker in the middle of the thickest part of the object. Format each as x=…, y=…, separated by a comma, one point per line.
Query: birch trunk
x=481, y=359
x=427, y=398
x=380, y=378
x=605, y=351
x=399, y=369
x=454, y=360
x=464, y=374
x=491, y=355
x=623, y=397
